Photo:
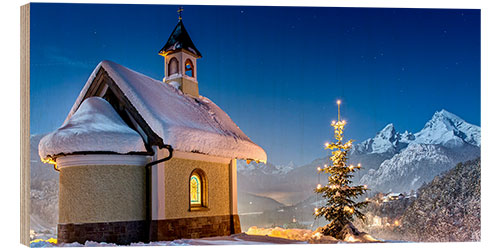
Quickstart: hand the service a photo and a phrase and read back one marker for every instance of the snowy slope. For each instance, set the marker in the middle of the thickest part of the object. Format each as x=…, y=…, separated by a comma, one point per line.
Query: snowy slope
x=448, y=208
x=416, y=164
x=254, y=168
x=44, y=191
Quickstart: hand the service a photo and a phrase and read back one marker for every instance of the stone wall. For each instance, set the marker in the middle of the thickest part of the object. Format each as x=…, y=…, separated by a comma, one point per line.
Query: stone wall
x=126, y=232
x=122, y=233
x=197, y=227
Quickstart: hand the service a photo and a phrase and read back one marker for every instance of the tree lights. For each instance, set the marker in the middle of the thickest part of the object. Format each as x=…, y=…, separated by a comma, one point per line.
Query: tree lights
x=341, y=206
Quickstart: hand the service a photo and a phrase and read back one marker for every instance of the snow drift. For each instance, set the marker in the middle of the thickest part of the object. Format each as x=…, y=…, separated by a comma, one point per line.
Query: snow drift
x=95, y=126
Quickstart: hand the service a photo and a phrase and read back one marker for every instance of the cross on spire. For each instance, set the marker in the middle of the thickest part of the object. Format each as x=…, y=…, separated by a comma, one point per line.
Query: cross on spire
x=179, y=11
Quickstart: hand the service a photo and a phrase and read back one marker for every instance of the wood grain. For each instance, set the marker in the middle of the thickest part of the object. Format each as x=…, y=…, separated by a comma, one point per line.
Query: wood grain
x=25, y=125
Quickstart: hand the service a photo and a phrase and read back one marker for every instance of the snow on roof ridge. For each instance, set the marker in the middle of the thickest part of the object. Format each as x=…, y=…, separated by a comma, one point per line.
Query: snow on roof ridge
x=95, y=126
x=187, y=124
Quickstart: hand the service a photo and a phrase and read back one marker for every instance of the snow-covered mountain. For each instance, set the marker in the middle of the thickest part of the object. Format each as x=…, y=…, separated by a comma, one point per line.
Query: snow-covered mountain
x=254, y=168
x=445, y=140
x=392, y=161
x=44, y=191
x=415, y=165
x=449, y=130
x=444, y=128
x=387, y=141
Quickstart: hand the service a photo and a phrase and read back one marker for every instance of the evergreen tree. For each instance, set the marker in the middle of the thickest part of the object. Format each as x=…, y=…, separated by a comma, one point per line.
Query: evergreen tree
x=341, y=207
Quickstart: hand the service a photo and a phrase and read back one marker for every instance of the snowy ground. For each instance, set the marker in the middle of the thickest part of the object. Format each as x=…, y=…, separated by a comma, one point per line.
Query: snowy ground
x=254, y=236
x=236, y=239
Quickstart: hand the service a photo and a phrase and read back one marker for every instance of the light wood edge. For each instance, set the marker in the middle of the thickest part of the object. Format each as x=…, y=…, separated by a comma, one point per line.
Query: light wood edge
x=25, y=125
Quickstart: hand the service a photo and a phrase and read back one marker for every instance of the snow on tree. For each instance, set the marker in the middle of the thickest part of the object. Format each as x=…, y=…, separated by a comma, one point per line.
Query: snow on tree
x=341, y=206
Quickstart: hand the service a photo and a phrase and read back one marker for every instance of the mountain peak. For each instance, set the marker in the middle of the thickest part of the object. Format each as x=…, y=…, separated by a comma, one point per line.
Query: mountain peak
x=448, y=129
x=445, y=114
x=387, y=132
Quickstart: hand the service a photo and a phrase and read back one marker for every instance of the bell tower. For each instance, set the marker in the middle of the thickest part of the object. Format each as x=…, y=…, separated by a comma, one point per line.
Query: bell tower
x=180, y=60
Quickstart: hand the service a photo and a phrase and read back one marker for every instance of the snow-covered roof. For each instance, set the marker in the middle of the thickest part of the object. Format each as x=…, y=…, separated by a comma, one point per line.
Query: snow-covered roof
x=187, y=124
x=94, y=127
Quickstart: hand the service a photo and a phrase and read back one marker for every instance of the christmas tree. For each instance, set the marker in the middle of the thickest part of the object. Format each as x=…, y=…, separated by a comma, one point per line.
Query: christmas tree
x=341, y=206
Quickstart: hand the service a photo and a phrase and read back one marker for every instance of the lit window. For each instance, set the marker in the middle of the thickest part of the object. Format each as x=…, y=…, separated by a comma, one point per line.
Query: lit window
x=197, y=190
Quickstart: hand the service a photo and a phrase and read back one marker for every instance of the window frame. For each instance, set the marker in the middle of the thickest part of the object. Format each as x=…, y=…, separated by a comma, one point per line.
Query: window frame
x=186, y=63
x=169, y=66
x=203, y=206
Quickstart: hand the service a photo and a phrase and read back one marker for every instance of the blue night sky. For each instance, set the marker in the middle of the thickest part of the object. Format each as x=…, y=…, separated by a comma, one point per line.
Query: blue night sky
x=277, y=71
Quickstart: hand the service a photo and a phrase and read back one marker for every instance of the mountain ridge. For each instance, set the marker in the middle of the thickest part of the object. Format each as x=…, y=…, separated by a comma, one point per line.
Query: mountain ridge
x=392, y=161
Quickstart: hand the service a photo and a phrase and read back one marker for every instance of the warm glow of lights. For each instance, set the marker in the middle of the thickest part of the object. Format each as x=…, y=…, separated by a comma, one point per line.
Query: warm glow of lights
x=351, y=167
x=396, y=223
x=365, y=186
x=350, y=239
x=326, y=144
x=359, y=164
x=367, y=199
x=50, y=161
x=50, y=240
x=319, y=186
x=316, y=235
x=338, y=102
x=319, y=169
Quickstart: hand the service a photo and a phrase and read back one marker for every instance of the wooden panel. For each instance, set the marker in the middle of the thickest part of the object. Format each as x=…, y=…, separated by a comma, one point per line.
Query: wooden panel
x=25, y=125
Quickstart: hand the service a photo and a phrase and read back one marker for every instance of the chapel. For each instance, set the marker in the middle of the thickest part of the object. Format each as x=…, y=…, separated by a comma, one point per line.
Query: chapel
x=141, y=159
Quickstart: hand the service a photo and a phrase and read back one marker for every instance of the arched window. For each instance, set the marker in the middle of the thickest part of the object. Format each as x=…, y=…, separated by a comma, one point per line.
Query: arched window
x=197, y=190
x=189, y=68
x=173, y=66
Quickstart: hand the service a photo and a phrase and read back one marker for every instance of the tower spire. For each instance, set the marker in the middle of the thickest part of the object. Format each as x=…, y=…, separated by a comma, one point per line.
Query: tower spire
x=179, y=12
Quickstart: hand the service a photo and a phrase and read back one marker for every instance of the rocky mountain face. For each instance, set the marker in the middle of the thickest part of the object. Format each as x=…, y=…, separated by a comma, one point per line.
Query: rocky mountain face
x=444, y=141
x=392, y=161
x=448, y=208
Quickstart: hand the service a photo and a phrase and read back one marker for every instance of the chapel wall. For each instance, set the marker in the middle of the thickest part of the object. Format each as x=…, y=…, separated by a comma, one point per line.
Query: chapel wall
x=94, y=193
x=177, y=174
